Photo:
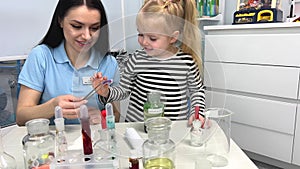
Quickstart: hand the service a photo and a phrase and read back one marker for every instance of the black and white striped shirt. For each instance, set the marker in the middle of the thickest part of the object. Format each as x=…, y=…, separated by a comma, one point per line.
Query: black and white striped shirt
x=177, y=78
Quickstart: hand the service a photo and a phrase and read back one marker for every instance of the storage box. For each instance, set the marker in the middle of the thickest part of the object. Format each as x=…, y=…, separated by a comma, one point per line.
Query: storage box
x=263, y=15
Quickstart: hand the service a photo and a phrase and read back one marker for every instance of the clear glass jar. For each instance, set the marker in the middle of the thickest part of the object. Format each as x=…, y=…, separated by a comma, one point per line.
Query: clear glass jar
x=153, y=107
x=38, y=144
x=158, y=149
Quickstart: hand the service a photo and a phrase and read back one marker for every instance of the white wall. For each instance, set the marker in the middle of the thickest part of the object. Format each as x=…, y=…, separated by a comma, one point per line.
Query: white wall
x=23, y=24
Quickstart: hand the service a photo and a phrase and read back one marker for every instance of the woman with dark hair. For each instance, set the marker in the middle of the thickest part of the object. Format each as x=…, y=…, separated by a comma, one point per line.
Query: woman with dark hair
x=57, y=71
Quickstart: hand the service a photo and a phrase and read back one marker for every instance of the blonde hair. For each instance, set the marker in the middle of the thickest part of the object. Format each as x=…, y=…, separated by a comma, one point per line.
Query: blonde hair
x=181, y=16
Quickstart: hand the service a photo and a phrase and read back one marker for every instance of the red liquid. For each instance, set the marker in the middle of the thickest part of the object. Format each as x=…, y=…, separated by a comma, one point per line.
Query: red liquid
x=86, y=139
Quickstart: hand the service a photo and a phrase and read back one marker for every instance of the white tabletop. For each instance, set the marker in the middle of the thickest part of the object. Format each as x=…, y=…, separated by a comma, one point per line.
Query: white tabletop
x=185, y=154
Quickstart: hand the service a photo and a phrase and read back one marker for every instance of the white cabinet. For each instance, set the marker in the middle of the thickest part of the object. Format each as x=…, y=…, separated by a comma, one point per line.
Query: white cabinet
x=296, y=155
x=253, y=70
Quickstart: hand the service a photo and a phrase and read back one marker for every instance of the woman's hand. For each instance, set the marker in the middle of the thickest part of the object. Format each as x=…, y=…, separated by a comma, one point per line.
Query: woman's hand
x=103, y=88
x=70, y=105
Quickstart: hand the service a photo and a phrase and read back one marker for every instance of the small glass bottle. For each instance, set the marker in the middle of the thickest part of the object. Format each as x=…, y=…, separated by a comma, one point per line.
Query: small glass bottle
x=196, y=134
x=6, y=160
x=133, y=160
x=153, y=107
x=158, y=149
x=38, y=144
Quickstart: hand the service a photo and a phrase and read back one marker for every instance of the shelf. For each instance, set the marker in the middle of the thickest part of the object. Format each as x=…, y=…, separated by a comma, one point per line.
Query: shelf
x=215, y=18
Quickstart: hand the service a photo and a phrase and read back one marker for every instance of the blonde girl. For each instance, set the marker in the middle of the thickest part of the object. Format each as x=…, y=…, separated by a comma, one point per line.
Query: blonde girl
x=169, y=62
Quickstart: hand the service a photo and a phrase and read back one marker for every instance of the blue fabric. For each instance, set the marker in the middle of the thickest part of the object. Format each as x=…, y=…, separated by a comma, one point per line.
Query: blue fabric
x=50, y=71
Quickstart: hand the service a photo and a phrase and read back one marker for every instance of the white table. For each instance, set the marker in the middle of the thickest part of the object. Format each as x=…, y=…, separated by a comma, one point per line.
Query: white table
x=185, y=154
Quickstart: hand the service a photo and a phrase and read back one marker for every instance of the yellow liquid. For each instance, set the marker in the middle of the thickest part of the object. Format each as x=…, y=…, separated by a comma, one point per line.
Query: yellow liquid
x=159, y=163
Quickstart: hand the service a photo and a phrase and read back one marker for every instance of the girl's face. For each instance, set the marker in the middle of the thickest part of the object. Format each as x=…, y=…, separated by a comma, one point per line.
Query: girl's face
x=155, y=40
x=157, y=45
x=81, y=27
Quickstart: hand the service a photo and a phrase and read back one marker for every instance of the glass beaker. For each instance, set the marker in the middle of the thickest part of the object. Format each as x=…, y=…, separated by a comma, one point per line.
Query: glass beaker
x=158, y=149
x=217, y=133
x=6, y=160
x=38, y=144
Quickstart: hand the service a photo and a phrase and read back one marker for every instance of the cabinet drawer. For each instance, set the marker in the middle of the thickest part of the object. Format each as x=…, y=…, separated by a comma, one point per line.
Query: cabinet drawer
x=267, y=114
x=271, y=49
x=265, y=142
x=264, y=80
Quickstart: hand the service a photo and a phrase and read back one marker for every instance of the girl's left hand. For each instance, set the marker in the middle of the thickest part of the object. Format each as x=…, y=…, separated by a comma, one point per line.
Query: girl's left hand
x=192, y=118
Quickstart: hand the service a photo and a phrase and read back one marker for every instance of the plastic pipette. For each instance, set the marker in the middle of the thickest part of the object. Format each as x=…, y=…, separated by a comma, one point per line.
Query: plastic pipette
x=92, y=92
x=197, y=112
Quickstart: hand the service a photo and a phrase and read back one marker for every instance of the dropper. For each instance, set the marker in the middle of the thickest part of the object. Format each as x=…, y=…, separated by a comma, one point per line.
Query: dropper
x=197, y=108
x=92, y=92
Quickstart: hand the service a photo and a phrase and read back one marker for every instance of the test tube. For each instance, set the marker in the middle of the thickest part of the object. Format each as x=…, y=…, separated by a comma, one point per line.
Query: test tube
x=110, y=118
x=86, y=132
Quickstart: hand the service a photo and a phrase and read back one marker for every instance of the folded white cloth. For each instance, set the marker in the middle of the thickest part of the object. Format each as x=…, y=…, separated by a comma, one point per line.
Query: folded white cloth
x=134, y=139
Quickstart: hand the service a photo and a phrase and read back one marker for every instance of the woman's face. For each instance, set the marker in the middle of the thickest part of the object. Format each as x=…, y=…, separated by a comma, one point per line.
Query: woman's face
x=81, y=27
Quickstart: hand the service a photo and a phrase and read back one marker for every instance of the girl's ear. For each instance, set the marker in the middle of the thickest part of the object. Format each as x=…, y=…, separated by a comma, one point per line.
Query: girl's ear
x=174, y=36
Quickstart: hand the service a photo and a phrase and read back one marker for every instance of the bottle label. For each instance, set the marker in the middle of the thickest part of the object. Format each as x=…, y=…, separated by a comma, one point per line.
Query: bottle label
x=155, y=111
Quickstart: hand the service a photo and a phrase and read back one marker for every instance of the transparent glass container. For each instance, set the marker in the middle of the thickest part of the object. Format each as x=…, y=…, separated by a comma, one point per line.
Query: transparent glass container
x=6, y=160
x=38, y=144
x=153, y=107
x=158, y=149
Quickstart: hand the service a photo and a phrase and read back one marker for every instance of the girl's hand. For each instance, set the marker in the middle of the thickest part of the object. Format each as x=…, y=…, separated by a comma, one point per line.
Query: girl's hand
x=70, y=105
x=98, y=79
x=94, y=114
x=192, y=118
